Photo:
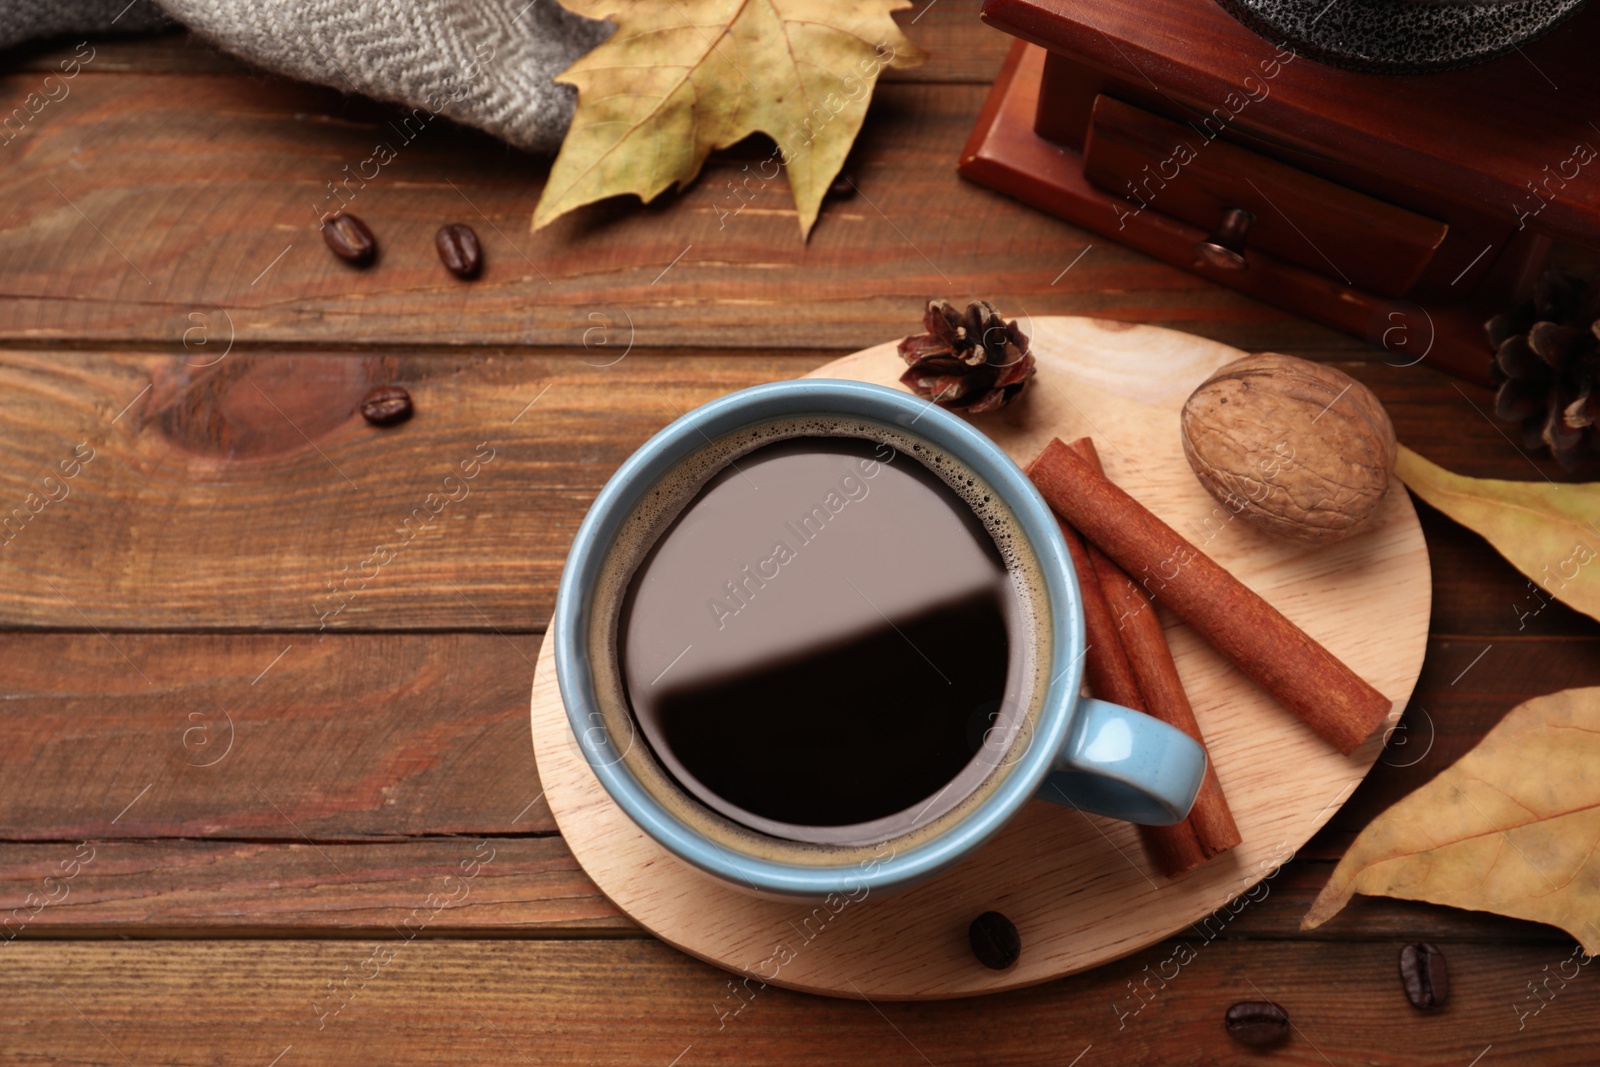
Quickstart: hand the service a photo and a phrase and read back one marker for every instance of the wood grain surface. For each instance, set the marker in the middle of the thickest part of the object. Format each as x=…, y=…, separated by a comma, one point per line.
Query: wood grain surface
x=196, y=544
x=962, y=52
x=188, y=455
x=166, y=889
x=153, y=889
x=231, y=171
x=270, y=737
x=686, y=271
x=636, y=1002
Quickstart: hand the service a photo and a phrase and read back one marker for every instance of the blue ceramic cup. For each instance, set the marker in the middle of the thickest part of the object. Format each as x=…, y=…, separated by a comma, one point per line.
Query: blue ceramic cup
x=1064, y=747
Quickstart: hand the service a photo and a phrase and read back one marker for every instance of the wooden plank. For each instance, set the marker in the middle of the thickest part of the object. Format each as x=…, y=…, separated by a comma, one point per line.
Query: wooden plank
x=518, y=887
x=177, y=52
x=530, y=887
x=186, y=456
x=338, y=738
x=961, y=49
x=360, y=736
x=72, y=697
x=355, y=736
x=141, y=200
x=341, y=530
x=627, y=1002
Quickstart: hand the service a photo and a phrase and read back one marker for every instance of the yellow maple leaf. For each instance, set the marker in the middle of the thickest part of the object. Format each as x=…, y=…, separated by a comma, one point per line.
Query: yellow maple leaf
x=1512, y=827
x=680, y=78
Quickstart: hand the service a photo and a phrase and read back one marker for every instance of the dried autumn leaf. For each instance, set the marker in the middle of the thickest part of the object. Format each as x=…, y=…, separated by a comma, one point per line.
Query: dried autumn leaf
x=1512, y=827
x=680, y=79
x=1549, y=532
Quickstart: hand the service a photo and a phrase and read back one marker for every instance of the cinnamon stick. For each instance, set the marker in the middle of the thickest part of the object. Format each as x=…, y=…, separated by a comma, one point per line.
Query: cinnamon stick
x=1150, y=658
x=1106, y=661
x=1174, y=849
x=1269, y=649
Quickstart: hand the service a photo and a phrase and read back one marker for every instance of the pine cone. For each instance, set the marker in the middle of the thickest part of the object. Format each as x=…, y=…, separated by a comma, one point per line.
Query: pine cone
x=970, y=362
x=1548, y=354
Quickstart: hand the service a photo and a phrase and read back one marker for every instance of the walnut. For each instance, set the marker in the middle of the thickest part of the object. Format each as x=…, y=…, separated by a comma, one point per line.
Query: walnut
x=1295, y=448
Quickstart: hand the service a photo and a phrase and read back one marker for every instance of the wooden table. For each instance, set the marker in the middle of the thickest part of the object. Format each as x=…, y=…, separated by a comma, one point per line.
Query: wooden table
x=294, y=784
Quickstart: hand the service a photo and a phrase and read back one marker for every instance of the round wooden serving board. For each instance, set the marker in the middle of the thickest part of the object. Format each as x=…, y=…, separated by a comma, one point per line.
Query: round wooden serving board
x=1079, y=888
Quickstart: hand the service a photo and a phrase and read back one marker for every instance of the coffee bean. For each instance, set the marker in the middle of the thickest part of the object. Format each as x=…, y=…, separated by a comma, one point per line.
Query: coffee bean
x=350, y=239
x=1257, y=1023
x=994, y=940
x=843, y=188
x=1424, y=975
x=386, y=405
x=458, y=249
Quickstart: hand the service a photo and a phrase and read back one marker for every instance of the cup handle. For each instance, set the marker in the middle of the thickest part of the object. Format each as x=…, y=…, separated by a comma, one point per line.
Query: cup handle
x=1127, y=765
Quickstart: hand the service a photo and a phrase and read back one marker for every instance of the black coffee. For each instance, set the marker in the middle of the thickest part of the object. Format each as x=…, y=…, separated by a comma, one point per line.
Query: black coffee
x=820, y=638
x=849, y=733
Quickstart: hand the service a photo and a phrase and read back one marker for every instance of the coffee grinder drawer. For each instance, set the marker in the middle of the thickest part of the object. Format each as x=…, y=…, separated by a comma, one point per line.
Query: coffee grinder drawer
x=1247, y=201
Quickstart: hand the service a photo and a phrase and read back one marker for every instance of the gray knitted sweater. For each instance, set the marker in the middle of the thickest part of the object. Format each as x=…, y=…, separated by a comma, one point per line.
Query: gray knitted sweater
x=485, y=63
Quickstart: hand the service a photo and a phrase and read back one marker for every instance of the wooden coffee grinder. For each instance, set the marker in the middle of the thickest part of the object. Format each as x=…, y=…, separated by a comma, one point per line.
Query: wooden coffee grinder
x=1403, y=208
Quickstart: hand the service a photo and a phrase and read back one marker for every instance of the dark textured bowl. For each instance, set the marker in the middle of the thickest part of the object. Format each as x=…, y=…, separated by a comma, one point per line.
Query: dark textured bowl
x=1400, y=36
